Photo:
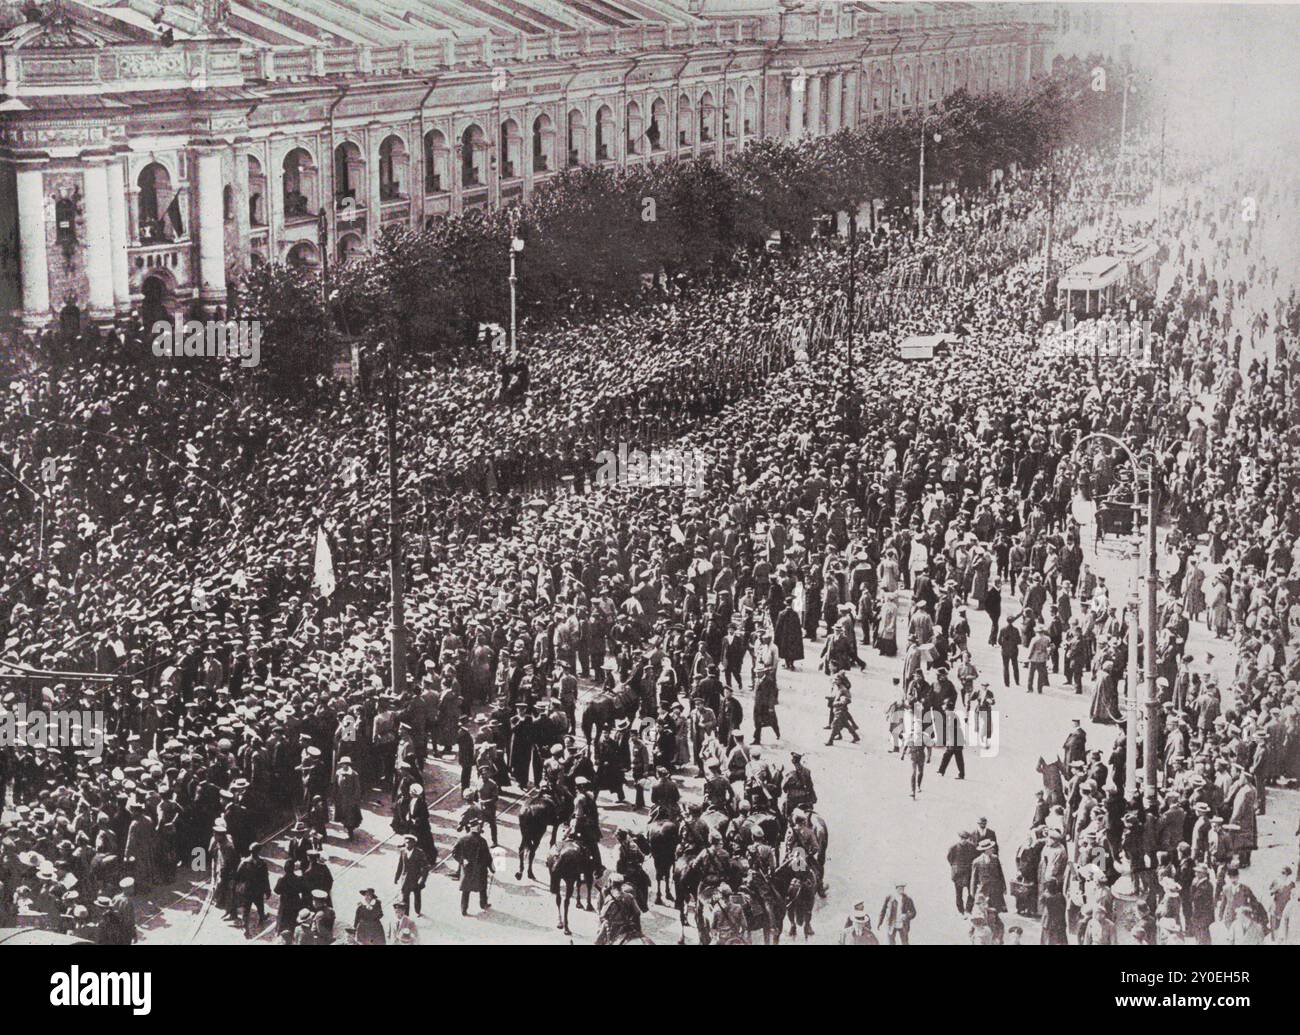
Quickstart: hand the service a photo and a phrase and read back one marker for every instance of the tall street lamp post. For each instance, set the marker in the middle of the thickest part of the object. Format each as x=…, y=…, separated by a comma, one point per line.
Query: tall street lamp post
x=397, y=617
x=1147, y=693
x=516, y=246
x=920, y=198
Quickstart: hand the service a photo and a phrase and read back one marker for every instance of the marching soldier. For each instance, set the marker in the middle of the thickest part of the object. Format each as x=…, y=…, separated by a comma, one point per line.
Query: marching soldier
x=718, y=792
x=798, y=787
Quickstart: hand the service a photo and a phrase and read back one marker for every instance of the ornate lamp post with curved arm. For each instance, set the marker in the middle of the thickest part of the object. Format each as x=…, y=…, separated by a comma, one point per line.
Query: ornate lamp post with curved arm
x=1148, y=695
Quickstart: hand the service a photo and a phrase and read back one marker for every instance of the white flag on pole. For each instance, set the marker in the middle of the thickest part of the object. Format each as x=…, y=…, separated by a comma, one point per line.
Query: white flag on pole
x=323, y=581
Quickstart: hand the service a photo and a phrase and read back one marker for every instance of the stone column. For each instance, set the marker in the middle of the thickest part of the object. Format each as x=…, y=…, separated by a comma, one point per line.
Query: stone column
x=31, y=244
x=814, y=106
x=118, y=231
x=833, y=113
x=373, y=200
x=211, y=231
x=852, y=98
x=99, y=239
x=798, y=90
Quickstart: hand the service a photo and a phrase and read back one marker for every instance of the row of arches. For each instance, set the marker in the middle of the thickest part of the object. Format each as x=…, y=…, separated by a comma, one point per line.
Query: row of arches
x=160, y=213
x=645, y=131
x=930, y=83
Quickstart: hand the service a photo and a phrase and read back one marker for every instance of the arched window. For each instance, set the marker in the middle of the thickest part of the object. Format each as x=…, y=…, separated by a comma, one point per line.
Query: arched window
x=543, y=144
x=877, y=90
x=65, y=222
x=156, y=200
x=685, y=121
x=256, y=192
x=70, y=319
x=577, y=137
x=706, y=117
x=299, y=178
x=904, y=86
x=349, y=177
x=658, y=124
x=751, y=111
x=228, y=203
x=729, y=114
x=350, y=246
x=393, y=165
x=302, y=255
x=604, y=133
x=632, y=119
x=473, y=152
x=435, y=163
x=510, y=145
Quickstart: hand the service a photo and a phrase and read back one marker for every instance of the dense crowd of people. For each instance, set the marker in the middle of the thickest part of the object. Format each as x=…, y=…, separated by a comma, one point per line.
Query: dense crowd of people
x=159, y=528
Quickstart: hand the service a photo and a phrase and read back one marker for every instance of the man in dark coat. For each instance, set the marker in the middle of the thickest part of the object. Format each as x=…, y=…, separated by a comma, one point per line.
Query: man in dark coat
x=475, y=859
x=522, y=744
x=960, y=857
x=789, y=636
x=1076, y=744
x=252, y=885
x=896, y=915
x=986, y=877
x=412, y=872
x=347, y=796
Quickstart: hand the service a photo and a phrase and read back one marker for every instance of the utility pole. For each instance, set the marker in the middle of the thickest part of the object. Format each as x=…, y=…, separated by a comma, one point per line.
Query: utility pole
x=920, y=196
x=1131, y=726
x=1160, y=184
x=1123, y=114
x=1150, y=752
x=853, y=289
x=1051, y=219
x=516, y=246
x=397, y=617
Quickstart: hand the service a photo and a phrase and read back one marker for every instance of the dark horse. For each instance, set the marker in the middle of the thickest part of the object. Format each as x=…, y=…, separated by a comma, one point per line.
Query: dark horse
x=765, y=907
x=663, y=835
x=796, y=884
x=539, y=811
x=606, y=707
x=571, y=865
x=693, y=885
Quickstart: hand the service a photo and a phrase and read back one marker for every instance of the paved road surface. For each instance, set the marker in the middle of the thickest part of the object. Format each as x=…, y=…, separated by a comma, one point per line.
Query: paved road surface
x=878, y=834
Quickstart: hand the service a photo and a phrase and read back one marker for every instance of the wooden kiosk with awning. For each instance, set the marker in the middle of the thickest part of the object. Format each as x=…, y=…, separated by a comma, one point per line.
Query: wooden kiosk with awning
x=923, y=346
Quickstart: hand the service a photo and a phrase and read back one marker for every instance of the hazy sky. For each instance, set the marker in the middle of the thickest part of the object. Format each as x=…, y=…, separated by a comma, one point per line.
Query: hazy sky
x=1231, y=72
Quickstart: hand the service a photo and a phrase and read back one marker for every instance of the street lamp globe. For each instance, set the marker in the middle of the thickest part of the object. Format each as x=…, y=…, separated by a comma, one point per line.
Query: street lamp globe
x=517, y=244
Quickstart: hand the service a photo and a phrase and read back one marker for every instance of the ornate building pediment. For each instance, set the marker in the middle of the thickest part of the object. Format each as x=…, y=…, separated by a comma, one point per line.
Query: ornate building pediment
x=57, y=29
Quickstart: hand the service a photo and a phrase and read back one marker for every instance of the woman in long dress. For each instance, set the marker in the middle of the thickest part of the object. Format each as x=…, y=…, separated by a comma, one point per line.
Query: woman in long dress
x=1220, y=620
x=1193, y=591
x=887, y=627
x=368, y=925
x=1105, y=699
x=981, y=564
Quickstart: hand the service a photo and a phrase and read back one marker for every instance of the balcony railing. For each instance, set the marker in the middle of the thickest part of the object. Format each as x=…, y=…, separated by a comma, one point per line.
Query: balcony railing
x=540, y=163
x=156, y=231
x=573, y=157
x=296, y=206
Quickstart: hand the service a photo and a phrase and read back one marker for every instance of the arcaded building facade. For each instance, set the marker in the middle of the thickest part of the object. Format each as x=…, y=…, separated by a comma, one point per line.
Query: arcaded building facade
x=149, y=154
